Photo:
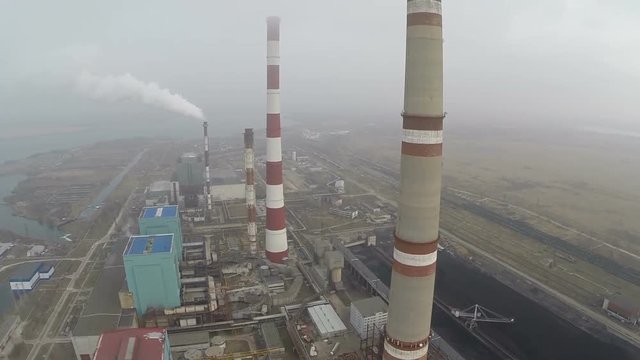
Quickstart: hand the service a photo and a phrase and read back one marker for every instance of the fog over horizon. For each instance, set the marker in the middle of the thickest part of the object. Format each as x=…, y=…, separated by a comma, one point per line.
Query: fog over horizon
x=549, y=62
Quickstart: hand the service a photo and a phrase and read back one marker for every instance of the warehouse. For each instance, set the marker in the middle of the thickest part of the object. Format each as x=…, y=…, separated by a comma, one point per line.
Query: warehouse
x=326, y=321
x=623, y=309
x=27, y=276
x=134, y=344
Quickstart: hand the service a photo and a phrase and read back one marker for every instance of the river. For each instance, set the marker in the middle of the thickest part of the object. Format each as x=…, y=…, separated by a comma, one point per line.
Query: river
x=19, y=225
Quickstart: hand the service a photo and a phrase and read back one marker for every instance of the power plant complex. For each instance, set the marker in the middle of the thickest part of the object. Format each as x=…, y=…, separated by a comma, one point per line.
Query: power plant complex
x=220, y=269
x=207, y=249
x=198, y=266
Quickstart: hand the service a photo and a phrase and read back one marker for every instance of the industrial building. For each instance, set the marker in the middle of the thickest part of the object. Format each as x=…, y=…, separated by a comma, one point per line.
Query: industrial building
x=36, y=250
x=153, y=272
x=27, y=277
x=190, y=175
x=272, y=340
x=134, y=344
x=623, y=309
x=162, y=220
x=367, y=314
x=228, y=192
x=161, y=193
x=346, y=212
x=326, y=321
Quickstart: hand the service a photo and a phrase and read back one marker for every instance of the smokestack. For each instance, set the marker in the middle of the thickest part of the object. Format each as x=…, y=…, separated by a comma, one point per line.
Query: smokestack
x=416, y=236
x=250, y=191
x=207, y=186
x=276, y=232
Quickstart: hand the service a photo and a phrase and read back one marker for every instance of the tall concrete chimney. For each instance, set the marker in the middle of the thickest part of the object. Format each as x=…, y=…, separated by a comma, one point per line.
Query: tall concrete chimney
x=416, y=236
x=207, y=177
x=276, y=232
x=250, y=190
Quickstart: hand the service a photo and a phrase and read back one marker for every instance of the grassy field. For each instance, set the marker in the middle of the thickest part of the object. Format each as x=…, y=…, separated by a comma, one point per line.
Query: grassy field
x=62, y=352
x=582, y=180
x=576, y=187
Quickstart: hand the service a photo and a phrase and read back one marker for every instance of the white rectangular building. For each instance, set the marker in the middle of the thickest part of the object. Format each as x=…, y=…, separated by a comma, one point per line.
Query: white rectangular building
x=366, y=313
x=326, y=321
x=29, y=275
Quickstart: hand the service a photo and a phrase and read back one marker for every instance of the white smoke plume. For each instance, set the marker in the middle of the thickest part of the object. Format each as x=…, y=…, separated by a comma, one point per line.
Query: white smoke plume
x=127, y=87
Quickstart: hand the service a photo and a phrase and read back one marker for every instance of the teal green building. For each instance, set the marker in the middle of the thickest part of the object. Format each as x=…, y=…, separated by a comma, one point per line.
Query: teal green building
x=152, y=272
x=162, y=220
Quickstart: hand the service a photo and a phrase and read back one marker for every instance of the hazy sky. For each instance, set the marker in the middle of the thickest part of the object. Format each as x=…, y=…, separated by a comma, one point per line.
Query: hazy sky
x=515, y=61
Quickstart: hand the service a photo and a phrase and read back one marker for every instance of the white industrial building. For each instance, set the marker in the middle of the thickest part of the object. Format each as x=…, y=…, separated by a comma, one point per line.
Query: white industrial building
x=366, y=313
x=36, y=250
x=227, y=192
x=28, y=277
x=326, y=321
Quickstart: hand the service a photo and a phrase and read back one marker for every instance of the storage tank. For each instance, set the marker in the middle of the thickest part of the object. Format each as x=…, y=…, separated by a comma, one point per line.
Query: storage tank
x=193, y=354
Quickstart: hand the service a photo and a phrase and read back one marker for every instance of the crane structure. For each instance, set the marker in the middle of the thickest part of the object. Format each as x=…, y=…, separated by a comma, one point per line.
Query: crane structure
x=478, y=313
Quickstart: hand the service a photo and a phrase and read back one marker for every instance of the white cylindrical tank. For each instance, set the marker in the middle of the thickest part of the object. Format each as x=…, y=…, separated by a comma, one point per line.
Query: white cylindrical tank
x=218, y=341
x=214, y=351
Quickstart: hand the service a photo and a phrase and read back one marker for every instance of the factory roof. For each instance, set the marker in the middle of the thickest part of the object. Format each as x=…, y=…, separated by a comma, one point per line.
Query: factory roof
x=625, y=306
x=189, y=338
x=158, y=186
x=271, y=336
x=189, y=155
x=326, y=319
x=102, y=311
x=26, y=271
x=149, y=244
x=159, y=211
x=370, y=306
x=132, y=344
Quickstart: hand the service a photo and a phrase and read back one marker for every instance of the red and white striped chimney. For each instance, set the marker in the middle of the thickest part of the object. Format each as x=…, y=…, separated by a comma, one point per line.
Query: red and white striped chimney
x=276, y=232
x=250, y=191
x=417, y=230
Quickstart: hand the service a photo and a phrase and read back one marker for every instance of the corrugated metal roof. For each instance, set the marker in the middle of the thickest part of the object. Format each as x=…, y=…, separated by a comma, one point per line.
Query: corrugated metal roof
x=189, y=338
x=149, y=244
x=134, y=344
x=25, y=272
x=159, y=211
x=326, y=319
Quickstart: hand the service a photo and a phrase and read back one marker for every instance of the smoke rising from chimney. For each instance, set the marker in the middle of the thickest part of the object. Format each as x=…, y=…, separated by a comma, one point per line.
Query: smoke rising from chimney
x=127, y=87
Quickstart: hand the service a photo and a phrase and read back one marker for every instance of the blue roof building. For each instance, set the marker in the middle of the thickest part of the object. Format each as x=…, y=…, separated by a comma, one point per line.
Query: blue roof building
x=162, y=220
x=152, y=271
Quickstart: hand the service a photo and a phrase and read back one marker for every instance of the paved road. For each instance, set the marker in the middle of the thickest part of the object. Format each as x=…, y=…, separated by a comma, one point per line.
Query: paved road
x=39, y=259
x=43, y=337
